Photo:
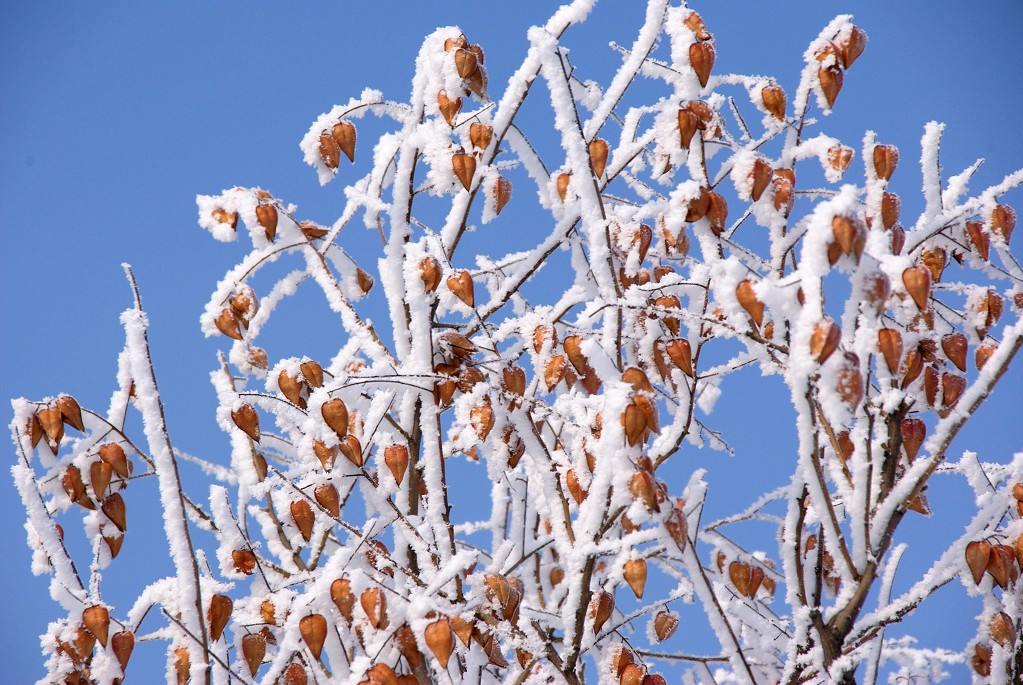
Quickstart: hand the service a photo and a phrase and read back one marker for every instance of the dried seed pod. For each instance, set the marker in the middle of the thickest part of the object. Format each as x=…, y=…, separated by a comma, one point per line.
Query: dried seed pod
x=330, y=153
x=849, y=234
x=313, y=629
x=1002, y=222
x=574, y=488
x=935, y=260
x=849, y=381
x=913, y=433
x=113, y=454
x=113, y=507
x=979, y=238
x=1003, y=630
x=760, y=177
x=688, y=124
x=917, y=280
x=114, y=544
x=343, y=134
x=1002, y=566
x=218, y=614
x=694, y=22
x=374, y=604
x=343, y=597
x=601, y=607
x=335, y=415
x=465, y=62
x=852, y=47
x=440, y=640
x=701, y=58
x=294, y=674
x=681, y=355
x=292, y=389
x=352, y=449
x=634, y=572
x=244, y=561
x=396, y=458
x=461, y=285
x=978, y=555
x=830, y=79
x=824, y=340
x=429, y=271
x=303, y=517
x=253, y=651
x=554, y=371
x=773, y=98
x=782, y=197
x=886, y=158
x=464, y=167
x=74, y=487
x=561, y=184
x=247, y=420
x=632, y=674
x=52, y=422
x=100, y=473
x=326, y=495
x=409, y=648
x=747, y=298
x=70, y=412
x=952, y=388
x=462, y=629
x=482, y=419
x=363, y=280
x=981, y=660
x=891, y=205
x=266, y=215
x=448, y=108
x=480, y=135
x=514, y=379
x=97, y=620
x=665, y=625
x=954, y=346
x=983, y=354
x=840, y=157
x=598, y=156
x=222, y=216
x=122, y=643
x=502, y=191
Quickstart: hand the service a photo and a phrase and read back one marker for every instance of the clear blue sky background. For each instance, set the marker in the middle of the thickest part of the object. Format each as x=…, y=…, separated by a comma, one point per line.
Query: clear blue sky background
x=114, y=115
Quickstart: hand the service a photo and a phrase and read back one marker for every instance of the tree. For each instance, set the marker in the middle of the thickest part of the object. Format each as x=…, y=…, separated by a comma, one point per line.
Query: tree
x=338, y=557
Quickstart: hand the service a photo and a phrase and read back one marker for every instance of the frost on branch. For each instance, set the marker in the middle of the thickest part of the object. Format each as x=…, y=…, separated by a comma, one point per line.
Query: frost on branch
x=690, y=235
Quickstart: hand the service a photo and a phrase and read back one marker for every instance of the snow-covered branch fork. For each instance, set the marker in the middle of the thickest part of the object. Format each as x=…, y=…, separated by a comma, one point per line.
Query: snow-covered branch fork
x=333, y=552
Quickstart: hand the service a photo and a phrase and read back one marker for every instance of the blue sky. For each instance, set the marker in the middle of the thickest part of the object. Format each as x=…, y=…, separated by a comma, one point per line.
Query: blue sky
x=116, y=114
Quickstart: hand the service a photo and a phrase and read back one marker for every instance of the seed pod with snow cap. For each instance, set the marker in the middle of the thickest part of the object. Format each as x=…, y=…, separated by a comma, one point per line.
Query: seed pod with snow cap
x=326, y=495
x=694, y=22
x=849, y=234
x=343, y=597
x=448, y=108
x=747, y=298
x=396, y=459
x=482, y=418
x=849, y=381
x=292, y=388
x=717, y=212
x=852, y=47
x=113, y=507
x=480, y=135
x=681, y=355
x=601, y=607
x=688, y=124
x=429, y=271
x=840, y=157
x=246, y=419
x=70, y=412
x=830, y=79
x=352, y=449
x=461, y=285
x=330, y=153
